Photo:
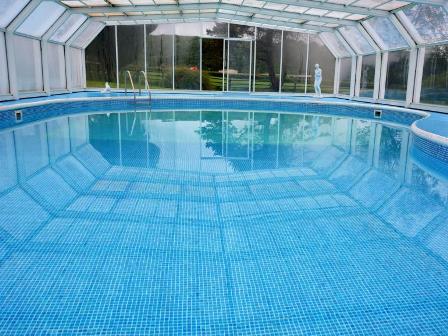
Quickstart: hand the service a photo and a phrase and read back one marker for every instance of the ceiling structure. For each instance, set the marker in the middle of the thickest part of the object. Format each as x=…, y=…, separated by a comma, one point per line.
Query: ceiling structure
x=59, y=20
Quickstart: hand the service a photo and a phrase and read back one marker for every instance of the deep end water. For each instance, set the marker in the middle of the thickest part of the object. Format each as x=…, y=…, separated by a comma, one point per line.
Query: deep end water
x=218, y=222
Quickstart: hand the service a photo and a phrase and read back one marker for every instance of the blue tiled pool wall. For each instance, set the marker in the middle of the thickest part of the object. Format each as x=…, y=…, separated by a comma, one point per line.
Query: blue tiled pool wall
x=35, y=113
x=432, y=155
x=110, y=250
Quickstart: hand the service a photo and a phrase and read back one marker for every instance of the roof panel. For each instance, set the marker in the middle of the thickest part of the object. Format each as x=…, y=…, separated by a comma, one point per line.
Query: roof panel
x=87, y=34
x=68, y=28
x=431, y=22
x=335, y=45
x=41, y=19
x=388, y=34
x=356, y=40
x=9, y=10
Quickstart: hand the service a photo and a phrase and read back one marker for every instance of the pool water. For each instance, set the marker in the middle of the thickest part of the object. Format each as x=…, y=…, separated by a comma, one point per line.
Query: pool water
x=220, y=223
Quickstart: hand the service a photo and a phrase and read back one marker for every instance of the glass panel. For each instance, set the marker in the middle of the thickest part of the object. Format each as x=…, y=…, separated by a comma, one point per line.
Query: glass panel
x=188, y=29
x=390, y=147
x=212, y=64
x=294, y=61
x=319, y=54
x=214, y=29
x=68, y=28
x=131, y=54
x=397, y=75
x=367, y=76
x=435, y=76
x=41, y=19
x=76, y=62
x=239, y=65
x=187, y=59
x=4, y=81
x=345, y=76
x=267, y=72
x=335, y=44
x=241, y=31
x=28, y=59
x=159, y=42
x=357, y=41
x=431, y=22
x=101, y=60
x=387, y=32
x=9, y=10
x=87, y=35
x=56, y=68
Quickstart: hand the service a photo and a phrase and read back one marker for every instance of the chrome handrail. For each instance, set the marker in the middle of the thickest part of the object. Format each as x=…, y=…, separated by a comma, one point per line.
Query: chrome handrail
x=145, y=77
x=126, y=84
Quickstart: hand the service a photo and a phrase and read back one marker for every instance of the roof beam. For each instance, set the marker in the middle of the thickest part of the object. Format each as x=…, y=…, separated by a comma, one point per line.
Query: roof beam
x=169, y=18
x=333, y=7
x=215, y=6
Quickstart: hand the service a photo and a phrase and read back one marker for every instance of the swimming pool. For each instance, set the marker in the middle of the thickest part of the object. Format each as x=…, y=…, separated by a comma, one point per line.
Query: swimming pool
x=221, y=218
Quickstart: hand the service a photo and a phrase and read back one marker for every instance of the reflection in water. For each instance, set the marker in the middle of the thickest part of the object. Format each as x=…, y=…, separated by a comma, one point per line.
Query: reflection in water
x=274, y=198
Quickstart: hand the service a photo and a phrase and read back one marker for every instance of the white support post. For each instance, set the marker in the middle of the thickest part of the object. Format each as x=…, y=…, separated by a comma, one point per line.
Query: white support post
x=307, y=61
x=383, y=75
x=10, y=56
x=173, y=50
x=83, y=64
x=358, y=75
x=376, y=87
x=254, y=60
x=281, y=65
x=353, y=76
x=419, y=74
x=200, y=64
x=117, y=62
x=411, y=76
x=337, y=75
x=45, y=71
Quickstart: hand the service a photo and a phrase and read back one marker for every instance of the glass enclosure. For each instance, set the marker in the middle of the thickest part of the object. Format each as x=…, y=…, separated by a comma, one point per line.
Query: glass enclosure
x=267, y=60
x=159, y=51
x=101, y=59
x=367, y=76
x=435, y=76
x=397, y=75
x=295, y=53
x=319, y=54
x=345, y=76
x=131, y=54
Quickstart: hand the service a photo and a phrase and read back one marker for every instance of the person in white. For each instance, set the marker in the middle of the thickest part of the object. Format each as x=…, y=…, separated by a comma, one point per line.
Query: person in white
x=317, y=80
x=106, y=88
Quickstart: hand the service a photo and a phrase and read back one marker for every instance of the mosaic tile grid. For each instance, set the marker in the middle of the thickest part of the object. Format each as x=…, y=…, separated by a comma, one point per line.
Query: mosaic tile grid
x=88, y=247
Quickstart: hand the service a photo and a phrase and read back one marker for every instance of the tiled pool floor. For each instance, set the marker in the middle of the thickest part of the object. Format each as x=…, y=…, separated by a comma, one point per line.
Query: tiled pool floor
x=339, y=234
x=198, y=256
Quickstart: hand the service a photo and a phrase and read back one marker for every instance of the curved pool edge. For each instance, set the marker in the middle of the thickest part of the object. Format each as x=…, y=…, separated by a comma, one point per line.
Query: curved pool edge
x=430, y=139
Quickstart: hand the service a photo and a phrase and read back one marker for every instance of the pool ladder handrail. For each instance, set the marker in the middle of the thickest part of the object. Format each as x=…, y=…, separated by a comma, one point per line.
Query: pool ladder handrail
x=126, y=84
x=145, y=77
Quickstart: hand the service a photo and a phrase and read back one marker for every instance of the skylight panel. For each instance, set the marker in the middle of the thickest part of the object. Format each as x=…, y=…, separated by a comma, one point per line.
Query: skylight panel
x=254, y=3
x=73, y=3
x=68, y=28
x=335, y=44
x=87, y=34
x=337, y=15
x=142, y=2
x=41, y=19
x=387, y=32
x=95, y=3
x=164, y=2
x=356, y=40
x=340, y=2
x=233, y=2
x=274, y=6
x=431, y=22
x=316, y=11
x=10, y=9
x=368, y=3
x=316, y=23
x=120, y=2
x=391, y=5
x=296, y=9
x=356, y=17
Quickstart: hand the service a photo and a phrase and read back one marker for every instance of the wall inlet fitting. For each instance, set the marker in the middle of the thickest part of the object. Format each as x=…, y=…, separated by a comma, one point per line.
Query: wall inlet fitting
x=377, y=114
x=19, y=116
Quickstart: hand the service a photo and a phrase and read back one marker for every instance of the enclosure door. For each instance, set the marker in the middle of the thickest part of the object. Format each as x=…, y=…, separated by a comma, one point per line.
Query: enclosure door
x=238, y=65
x=212, y=64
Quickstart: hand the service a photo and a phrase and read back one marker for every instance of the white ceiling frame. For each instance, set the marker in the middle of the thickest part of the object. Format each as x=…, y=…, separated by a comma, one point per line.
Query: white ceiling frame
x=216, y=6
